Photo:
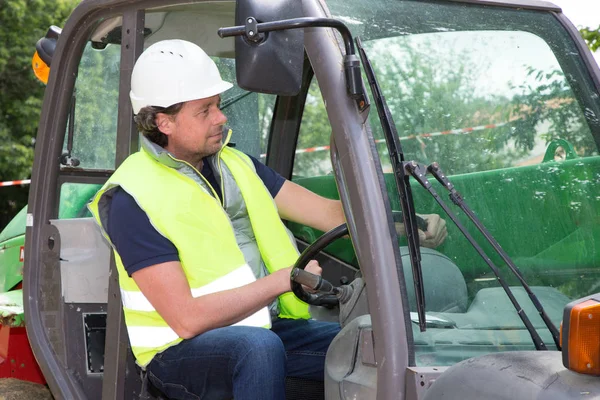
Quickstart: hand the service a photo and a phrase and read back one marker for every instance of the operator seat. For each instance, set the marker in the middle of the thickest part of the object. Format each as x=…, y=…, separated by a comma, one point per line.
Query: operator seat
x=444, y=283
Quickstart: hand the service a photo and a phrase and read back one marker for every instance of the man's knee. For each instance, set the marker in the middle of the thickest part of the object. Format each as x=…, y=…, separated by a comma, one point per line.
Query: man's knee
x=261, y=348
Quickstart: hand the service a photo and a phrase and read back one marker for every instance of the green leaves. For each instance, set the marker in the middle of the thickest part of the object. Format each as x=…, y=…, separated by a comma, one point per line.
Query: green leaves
x=591, y=37
x=22, y=24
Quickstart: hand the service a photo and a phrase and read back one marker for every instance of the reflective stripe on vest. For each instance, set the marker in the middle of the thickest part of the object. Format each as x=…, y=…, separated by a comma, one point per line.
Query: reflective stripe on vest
x=196, y=223
x=136, y=301
x=145, y=336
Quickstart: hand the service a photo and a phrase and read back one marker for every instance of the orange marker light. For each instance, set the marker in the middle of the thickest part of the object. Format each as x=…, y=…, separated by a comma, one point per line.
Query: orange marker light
x=581, y=335
x=40, y=69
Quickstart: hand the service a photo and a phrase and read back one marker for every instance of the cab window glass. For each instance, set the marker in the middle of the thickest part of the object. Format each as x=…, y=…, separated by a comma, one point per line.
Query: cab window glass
x=74, y=198
x=500, y=98
x=478, y=101
x=312, y=151
x=248, y=114
x=96, y=99
x=312, y=169
x=96, y=93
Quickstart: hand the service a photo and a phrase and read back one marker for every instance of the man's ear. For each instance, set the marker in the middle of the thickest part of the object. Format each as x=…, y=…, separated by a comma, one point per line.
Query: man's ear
x=165, y=123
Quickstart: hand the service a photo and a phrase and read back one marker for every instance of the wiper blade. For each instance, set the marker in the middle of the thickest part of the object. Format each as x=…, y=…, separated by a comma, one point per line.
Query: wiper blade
x=435, y=321
x=419, y=172
x=232, y=100
x=402, y=182
x=457, y=199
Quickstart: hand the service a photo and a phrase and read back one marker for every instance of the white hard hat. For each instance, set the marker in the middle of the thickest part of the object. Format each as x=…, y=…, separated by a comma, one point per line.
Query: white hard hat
x=171, y=72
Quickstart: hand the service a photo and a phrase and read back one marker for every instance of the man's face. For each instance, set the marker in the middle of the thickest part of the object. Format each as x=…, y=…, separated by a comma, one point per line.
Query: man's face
x=196, y=131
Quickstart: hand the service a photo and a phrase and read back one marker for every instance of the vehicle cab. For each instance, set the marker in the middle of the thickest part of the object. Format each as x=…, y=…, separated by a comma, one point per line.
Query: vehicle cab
x=503, y=95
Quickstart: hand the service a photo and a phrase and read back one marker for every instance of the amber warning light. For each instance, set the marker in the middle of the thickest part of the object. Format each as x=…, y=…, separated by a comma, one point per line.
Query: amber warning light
x=40, y=69
x=580, y=335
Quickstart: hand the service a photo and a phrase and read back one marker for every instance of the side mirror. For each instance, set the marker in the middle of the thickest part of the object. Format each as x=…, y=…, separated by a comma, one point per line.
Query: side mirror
x=269, y=54
x=272, y=61
x=45, y=46
x=44, y=50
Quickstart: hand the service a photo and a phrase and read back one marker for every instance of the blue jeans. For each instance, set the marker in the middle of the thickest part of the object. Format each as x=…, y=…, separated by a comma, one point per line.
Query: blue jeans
x=243, y=362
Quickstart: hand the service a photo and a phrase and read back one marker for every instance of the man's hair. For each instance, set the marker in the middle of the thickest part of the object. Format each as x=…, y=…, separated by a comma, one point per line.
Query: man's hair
x=145, y=120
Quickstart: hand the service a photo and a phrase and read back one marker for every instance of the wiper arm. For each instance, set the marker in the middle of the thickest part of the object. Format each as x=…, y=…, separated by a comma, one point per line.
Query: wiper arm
x=402, y=182
x=232, y=100
x=66, y=157
x=419, y=172
x=457, y=199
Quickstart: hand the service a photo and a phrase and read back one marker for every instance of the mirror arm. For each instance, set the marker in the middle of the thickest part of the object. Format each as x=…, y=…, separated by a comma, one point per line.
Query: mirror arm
x=252, y=29
x=254, y=33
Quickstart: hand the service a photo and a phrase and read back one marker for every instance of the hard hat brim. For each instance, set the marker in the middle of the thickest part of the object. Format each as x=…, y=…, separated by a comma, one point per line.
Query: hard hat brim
x=138, y=103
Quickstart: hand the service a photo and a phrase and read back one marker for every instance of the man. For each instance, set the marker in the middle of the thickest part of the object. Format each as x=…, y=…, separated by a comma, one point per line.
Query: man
x=203, y=256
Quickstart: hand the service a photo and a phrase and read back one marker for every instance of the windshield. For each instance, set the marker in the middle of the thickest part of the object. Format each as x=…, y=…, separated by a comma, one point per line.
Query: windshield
x=500, y=98
x=97, y=85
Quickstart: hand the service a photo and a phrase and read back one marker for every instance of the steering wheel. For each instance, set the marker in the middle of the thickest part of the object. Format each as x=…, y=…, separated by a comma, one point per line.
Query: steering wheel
x=316, y=299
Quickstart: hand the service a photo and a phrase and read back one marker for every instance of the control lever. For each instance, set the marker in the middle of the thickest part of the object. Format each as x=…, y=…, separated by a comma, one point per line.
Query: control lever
x=317, y=283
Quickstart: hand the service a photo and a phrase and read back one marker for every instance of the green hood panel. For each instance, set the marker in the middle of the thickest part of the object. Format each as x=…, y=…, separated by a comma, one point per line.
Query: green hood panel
x=11, y=262
x=16, y=227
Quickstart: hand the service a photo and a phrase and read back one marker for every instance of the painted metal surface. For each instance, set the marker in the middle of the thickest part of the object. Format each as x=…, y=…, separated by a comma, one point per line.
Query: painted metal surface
x=16, y=227
x=16, y=358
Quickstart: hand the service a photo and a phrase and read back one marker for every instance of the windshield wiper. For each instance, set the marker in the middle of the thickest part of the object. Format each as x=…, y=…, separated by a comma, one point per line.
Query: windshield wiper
x=66, y=157
x=434, y=320
x=419, y=172
x=403, y=170
x=232, y=100
x=402, y=182
x=457, y=199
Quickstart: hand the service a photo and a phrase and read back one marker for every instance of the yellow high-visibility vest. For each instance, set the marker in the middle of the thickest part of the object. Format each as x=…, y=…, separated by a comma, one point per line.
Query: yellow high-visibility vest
x=196, y=223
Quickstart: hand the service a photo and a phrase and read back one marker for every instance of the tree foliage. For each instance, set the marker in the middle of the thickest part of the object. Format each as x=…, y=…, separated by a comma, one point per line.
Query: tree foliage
x=22, y=24
x=428, y=92
x=591, y=37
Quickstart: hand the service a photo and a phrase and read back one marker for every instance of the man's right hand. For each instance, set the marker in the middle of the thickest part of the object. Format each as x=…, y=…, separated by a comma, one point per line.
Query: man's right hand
x=166, y=287
x=313, y=267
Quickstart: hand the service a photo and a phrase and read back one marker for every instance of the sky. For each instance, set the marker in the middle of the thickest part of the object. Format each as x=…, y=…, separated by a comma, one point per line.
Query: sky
x=582, y=13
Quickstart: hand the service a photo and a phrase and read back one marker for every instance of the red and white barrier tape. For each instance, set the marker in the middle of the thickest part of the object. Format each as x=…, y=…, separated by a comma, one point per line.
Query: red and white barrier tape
x=460, y=131
x=451, y=131
x=14, y=183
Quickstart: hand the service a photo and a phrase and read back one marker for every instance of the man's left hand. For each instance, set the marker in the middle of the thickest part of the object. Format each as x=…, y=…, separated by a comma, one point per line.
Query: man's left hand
x=436, y=231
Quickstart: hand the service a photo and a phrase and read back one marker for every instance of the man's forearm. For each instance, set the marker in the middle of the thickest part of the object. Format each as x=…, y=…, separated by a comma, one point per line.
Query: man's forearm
x=226, y=308
x=167, y=289
x=331, y=216
x=300, y=205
